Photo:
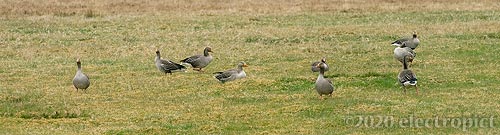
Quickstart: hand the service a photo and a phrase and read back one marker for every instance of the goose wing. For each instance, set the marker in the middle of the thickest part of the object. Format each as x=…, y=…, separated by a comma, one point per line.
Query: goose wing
x=226, y=74
x=169, y=65
x=407, y=76
x=191, y=59
x=400, y=41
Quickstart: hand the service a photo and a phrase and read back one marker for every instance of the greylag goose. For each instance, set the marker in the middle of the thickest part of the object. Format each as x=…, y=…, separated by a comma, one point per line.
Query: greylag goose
x=167, y=66
x=401, y=50
x=323, y=86
x=406, y=77
x=232, y=74
x=410, y=42
x=314, y=65
x=80, y=81
x=199, y=61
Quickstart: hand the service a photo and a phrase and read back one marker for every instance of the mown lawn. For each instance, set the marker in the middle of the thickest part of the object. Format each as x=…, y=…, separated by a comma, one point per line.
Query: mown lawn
x=457, y=67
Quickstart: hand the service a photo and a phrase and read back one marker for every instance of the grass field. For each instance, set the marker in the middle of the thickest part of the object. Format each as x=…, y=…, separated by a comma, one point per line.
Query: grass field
x=457, y=65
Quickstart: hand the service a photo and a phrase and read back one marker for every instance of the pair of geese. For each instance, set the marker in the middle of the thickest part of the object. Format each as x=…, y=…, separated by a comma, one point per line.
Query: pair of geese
x=198, y=62
x=404, y=52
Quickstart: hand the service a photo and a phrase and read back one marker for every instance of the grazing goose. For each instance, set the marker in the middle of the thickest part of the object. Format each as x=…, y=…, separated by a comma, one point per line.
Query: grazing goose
x=410, y=42
x=80, y=81
x=314, y=66
x=199, y=61
x=401, y=51
x=167, y=66
x=323, y=86
x=232, y=74
x=406, y=77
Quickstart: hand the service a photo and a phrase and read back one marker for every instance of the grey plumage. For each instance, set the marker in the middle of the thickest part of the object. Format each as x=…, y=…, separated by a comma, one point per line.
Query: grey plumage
x=412, y=42
x=167, y=66
x=406, y=77
x=323, y=86
x=80, y=81
x=232, y=74
x=199, y=61
x=402, y=50
x=314, y=65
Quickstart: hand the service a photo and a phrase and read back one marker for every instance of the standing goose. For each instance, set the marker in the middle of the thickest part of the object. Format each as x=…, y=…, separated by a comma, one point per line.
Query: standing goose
x=406, y=77
x=199, y=61
x=80, y=81
x=323, y=86
x=410, y=42
x=401, y=50
x=167, y=66
x=232, y=74
x=314, y=66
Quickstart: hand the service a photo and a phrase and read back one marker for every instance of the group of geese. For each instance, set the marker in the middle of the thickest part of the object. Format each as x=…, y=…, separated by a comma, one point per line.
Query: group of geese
x=197, y=62
x=404, y=53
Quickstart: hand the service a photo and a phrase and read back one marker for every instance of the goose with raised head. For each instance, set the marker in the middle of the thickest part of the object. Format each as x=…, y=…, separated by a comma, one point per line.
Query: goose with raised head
x=409, y=42
x=167, y=66
x=323, y=85
x=232, y=74
x=406, y=77
x=81, y=80
x=198, y=62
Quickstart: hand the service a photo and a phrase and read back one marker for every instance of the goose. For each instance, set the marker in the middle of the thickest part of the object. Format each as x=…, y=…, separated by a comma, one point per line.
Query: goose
x=199, y=61
x=323, y=86
x=80, y=81
x=401, y=51
x=406, y=77
x=167, y=66
x=314, y=65
x=232, y=74
x=410, y=42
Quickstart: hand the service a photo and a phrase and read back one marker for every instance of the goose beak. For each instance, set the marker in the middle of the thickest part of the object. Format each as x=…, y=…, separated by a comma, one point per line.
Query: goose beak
x=245, y=65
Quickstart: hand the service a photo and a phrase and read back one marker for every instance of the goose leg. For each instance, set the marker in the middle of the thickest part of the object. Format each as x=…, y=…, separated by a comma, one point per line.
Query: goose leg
x=404, y=89
x=416, y=89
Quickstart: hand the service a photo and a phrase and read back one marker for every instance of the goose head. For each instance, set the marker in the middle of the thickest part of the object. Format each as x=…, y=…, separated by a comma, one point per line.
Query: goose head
x=321, y=66
x=242, y=64
x=208, y=49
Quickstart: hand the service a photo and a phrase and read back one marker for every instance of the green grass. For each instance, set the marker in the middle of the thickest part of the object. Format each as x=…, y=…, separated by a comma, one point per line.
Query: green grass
x=457, y=66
